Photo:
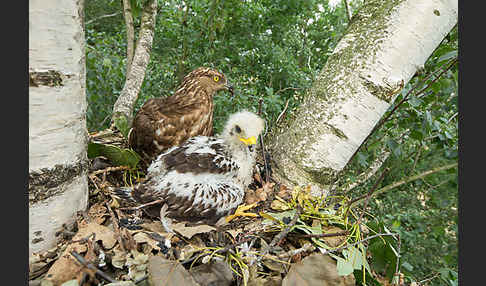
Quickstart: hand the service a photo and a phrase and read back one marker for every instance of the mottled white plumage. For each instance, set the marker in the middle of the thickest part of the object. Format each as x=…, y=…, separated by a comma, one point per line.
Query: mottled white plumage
x=205, y=178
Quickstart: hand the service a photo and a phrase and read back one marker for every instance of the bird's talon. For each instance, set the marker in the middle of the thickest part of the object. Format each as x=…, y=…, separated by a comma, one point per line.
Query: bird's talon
x=240, y=211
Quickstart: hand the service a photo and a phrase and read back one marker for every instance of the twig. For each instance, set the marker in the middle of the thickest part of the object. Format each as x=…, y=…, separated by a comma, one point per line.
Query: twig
x=341, y=233
x=144, y=205
x=453, y=116
x=407, y=180
x=398, y=256
x=368, y=195
x=425, y=280
x=110, y=169
x=92, y=267
x=283, y=111
x=361, y=241
x=363, y=177
x=416, y=159
x=116, y=227
x=101, y=17
x=348, y=10
x=287, y=88
x=305, y=248
x=413, y=178
x=276, y=240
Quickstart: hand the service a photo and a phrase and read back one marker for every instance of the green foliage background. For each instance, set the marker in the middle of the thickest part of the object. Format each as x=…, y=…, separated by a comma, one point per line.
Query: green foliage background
x=271, y=51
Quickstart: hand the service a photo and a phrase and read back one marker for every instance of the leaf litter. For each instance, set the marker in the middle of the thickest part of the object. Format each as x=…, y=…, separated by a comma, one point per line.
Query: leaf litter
x=317, y=246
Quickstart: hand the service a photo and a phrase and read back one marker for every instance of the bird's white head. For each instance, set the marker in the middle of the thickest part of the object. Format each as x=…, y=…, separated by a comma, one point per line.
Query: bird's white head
x=242, y=129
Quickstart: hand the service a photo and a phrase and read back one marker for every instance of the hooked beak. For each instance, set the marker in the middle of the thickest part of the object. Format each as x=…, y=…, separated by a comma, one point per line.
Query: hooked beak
x=250, y=142
x=230, y=89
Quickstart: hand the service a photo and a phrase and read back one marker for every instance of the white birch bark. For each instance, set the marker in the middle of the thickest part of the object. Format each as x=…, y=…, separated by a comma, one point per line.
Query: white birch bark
x=126, y=100
x=127, y=12
x=58, y=185
x=386, y=42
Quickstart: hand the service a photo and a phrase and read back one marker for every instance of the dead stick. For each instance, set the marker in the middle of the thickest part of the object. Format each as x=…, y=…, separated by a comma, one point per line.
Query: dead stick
x=109, y=169
x=367, y=195
x=341, y=233
x=361, y=241
x=413, y=178
x=116, y=227
x=92, y=267
x=290, y=253
x=144, y=205
x=283, y=233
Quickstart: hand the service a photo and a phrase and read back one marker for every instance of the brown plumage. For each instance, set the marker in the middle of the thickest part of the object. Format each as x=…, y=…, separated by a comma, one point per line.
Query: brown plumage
x=165, y=122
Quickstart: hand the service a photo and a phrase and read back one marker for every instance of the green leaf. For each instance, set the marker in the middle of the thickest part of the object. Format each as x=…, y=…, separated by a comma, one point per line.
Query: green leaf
x=106, y=62
x=121, y=124
x=417, y=134
x=394, y=146
x=414, y=102
x=344, y=267
x=117, y=155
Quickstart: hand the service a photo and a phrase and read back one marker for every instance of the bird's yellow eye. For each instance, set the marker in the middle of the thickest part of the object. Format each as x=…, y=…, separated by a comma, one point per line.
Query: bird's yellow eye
x=216, y=78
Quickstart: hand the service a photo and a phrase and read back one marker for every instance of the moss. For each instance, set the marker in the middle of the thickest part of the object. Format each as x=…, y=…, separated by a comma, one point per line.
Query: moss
x=300, y=130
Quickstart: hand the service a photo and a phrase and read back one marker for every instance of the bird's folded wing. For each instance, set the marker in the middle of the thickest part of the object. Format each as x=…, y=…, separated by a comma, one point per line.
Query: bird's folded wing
x=198, y=155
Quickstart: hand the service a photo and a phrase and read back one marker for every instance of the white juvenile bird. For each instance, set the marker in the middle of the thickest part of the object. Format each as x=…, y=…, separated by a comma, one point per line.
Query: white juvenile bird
x=204, y=179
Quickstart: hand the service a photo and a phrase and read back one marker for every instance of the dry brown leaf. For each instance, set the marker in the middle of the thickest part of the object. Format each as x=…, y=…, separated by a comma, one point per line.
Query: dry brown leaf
x=163, y=272
x=67, y=267
x=258, y=178
x=142, y=237
x=283, y=192
x=250, y=197
x=155, y=226
x=234, y=232
x=137, y=264
x=119, y=258
x=261, y=194
x=214, y=273
x=333, y=241
x=97, y=213
x=316, y=269
x=190, y=231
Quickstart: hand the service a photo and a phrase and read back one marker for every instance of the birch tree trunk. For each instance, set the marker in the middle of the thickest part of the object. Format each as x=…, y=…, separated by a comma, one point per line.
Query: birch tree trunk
x=385, y=44
x=58, y=185
x=127, y=12
x=125, y=103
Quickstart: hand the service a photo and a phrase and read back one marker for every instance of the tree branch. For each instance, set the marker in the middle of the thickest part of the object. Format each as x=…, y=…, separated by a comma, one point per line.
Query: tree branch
x=102, y=17
x=375, y=166
x=409, y=179
x=127, y=12
x=126, y=101
x=348, y=10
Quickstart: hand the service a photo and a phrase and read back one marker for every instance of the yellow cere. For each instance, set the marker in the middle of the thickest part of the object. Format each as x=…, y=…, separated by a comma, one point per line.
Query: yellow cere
x=249, y=141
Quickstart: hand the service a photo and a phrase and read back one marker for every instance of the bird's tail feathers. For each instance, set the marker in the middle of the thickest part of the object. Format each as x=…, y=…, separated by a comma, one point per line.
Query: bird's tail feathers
x=124, y=193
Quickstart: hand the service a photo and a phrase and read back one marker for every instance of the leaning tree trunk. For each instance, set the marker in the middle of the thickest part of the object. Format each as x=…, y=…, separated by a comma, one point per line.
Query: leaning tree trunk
x=385, y=44
x=58, y=185
x=125, y=103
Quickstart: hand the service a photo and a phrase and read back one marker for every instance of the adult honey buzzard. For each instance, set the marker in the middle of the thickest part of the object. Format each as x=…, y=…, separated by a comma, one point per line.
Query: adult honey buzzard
x=204, y=179
x=164, y=122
